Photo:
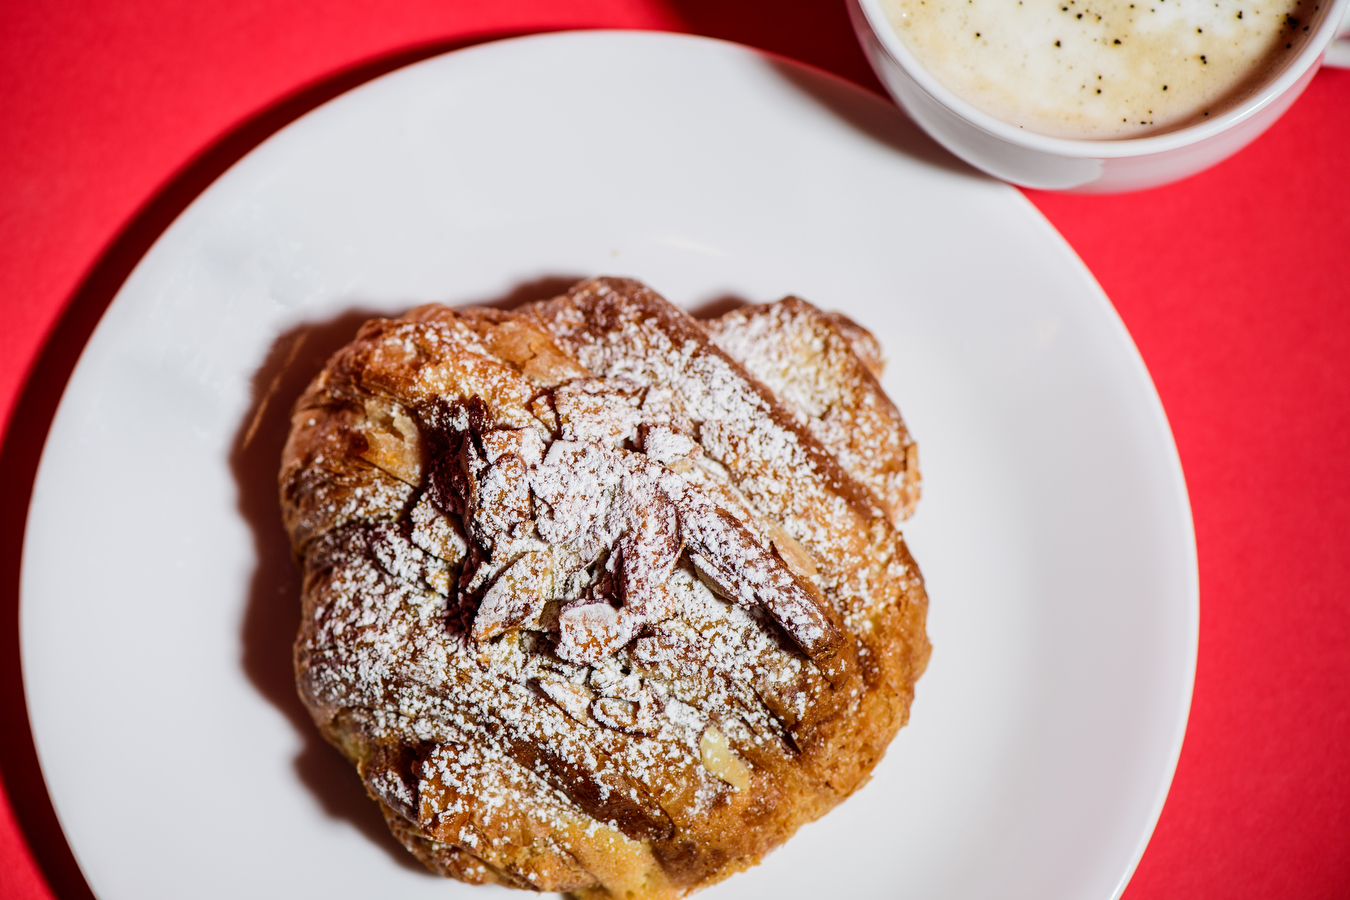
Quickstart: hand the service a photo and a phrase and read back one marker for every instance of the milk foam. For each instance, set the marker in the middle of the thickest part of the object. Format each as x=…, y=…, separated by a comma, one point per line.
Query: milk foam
x=1103, y=69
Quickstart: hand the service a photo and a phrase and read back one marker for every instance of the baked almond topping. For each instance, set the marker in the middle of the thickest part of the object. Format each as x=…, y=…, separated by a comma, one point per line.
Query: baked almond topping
x=592, y=607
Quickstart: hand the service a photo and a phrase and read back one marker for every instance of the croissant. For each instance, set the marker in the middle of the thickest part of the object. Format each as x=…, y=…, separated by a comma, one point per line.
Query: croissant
x=600, y=598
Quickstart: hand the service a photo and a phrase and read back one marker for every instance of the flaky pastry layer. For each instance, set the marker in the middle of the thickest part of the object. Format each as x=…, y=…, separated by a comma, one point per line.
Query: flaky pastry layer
x=598, y=597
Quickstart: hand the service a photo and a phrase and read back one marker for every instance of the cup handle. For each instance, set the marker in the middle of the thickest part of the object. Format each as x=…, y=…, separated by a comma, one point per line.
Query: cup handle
x=1338, y=51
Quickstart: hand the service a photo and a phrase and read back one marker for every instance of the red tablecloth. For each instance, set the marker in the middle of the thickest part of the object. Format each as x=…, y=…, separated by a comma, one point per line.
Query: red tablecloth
x=1235, y=285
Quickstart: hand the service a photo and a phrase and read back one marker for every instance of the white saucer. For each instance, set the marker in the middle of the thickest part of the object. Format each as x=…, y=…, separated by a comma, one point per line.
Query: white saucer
x=1054, y=533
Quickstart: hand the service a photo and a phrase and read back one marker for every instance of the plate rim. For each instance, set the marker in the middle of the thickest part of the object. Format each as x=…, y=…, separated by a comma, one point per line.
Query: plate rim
x=1157, y=411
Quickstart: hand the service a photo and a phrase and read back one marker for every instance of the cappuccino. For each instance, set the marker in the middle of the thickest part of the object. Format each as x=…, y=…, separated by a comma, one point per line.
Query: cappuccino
x=1103, y=69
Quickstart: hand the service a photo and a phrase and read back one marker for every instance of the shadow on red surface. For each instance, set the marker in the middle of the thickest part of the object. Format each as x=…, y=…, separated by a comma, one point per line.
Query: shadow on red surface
x=36, y=406
x=816, y=32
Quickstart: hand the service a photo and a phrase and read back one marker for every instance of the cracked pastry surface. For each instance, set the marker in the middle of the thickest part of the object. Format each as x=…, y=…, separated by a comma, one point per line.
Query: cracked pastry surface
x=600, y=598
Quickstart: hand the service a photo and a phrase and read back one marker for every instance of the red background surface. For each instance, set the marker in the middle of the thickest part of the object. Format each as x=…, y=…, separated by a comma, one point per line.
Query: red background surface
x=1235, y=285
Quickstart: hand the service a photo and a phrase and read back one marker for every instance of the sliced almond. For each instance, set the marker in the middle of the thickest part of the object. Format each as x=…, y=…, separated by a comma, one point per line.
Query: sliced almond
x=573, y=699
x=517, y=598
x=719, y=759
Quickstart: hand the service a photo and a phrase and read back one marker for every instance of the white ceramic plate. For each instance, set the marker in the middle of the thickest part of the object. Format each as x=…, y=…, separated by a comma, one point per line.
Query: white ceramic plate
x=1055, y=534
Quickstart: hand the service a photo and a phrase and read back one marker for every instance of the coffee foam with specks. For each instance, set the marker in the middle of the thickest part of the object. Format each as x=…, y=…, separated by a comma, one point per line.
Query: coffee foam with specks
x=1103, y=69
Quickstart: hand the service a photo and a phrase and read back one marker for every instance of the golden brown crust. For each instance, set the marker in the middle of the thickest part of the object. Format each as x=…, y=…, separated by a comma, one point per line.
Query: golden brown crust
x=825, y=367
x=588, y=605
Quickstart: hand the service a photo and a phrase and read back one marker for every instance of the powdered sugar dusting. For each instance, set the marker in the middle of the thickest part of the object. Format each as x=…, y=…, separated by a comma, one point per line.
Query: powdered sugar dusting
x=589, y=593
x=825, y=368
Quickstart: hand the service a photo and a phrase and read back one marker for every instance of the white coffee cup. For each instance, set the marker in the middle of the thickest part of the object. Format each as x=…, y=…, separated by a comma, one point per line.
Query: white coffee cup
x=1086, y=166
